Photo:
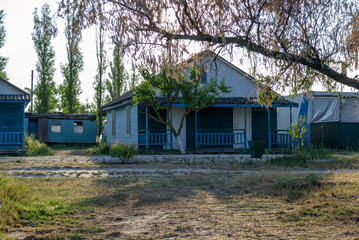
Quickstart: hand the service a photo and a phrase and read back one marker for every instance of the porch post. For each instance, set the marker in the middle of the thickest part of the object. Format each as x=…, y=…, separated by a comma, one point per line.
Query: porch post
x=147, y=132
x=171, y=135
x=269, y=131
x=245, y=127
x=290, y=122
x=195, y=130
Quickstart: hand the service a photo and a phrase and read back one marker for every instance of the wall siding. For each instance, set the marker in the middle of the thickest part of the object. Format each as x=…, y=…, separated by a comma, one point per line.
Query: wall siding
x=238, y=123
x=7, y=89
x=67, y=134
x=177, y=113
x=121, y=126
x=241, y=85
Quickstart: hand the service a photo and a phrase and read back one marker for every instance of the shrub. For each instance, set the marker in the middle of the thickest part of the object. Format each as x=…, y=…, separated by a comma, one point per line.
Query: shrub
x=34, y=147
x=121, y=150
x=101, y=149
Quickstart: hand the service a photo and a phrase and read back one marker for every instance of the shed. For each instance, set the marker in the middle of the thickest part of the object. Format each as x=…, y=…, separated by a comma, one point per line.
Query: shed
x=330, y=121
x=61, y=127
x=13, y=101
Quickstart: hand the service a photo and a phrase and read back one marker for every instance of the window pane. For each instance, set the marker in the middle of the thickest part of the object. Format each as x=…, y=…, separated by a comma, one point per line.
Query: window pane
x=56, y=126
x=113, y=112
x=78, y=127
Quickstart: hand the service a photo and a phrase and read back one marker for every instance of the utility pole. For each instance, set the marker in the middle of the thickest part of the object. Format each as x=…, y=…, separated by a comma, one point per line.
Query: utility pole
x=32, y=89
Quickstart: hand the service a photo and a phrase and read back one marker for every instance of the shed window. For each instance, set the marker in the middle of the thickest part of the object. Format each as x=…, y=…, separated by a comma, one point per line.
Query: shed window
x=56, y=126
x=128, y=121
x=203, y=75
x=113, y=113
x=78, y=127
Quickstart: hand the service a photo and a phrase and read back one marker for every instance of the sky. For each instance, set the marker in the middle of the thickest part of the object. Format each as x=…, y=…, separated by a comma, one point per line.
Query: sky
x=20, y=51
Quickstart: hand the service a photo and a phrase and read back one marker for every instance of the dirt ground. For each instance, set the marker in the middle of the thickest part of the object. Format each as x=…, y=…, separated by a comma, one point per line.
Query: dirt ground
x=183, y=199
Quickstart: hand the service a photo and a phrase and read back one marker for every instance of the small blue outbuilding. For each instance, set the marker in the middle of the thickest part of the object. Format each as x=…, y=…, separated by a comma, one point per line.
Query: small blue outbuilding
x=61, y=127
x=13, y=101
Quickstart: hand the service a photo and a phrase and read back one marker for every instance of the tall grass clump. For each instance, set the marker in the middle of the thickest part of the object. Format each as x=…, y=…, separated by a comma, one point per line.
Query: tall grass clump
x=100, y=149
x=300, y=156
x=123, y=151
x=12, y=196
x=34, y=147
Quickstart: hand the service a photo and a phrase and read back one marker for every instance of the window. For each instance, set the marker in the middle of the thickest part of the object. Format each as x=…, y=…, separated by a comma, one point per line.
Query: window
x=78, y=127
x=113, y=113
x=56, y=126
x=203, y=75
x=128, y=121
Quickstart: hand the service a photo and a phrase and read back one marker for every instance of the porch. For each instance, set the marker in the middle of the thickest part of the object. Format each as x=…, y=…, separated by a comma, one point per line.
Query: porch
x=219, y=127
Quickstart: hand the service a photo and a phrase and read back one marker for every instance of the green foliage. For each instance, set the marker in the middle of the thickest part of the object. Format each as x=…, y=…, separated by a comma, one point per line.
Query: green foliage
x=71, y=87
x=34, y=147
x=45, y=89
x=121, y=150
x=3, y=60
x=43, y=210
x=101, y=149
x=297, y=129
x=313, y=179
x=12, y=195
x=116, y=85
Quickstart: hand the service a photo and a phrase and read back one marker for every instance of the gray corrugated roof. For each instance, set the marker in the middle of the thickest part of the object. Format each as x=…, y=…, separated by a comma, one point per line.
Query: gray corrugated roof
x=126, y=96
x=73, y=116
x=14, y=97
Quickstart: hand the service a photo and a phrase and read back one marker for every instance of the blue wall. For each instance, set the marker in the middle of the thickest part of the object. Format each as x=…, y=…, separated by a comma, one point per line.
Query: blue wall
x=11, y=125
x=67, y=134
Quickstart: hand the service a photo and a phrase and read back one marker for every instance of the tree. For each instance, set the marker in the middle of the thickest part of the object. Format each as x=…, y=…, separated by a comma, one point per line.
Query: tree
x=118, y=75
x=172, y=85
x=3, y=60
x=45, y=88
x=99, y=83
x=297, y=41
x=71, y=87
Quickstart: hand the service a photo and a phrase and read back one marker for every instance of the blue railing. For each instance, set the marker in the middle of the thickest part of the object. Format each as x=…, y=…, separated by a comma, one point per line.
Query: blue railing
x=280, y=139
x=13, y=139
x=222, y=138
x=155, y=139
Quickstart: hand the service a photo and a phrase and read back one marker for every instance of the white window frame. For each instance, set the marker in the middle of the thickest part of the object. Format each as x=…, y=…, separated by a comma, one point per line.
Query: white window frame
x=78, y=127
x=113, y=115
x=128, y=121
x=56, y=128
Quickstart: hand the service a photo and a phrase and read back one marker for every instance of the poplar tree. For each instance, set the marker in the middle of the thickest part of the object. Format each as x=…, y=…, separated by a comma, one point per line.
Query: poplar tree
x=45, y=89
x=3, y=60
x=99, y=83
x=116, y=85
x=71, y=87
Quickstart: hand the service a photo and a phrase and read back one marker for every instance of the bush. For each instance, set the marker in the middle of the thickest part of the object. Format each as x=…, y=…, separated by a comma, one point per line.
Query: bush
x=121, y=150
x=100, y=149
x=34, y=147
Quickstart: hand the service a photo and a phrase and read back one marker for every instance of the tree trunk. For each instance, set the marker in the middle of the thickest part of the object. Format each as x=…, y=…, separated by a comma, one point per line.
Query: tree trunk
x=180, y=145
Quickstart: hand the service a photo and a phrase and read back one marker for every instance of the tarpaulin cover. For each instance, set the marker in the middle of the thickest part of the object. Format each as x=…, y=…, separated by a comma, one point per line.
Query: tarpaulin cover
x=324, y=109
x=350, y=110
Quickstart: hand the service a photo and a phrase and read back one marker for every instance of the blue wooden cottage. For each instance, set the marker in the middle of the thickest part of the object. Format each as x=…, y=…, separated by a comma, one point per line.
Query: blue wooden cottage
x=13, y=101
x=62, y=128
x=233, y=120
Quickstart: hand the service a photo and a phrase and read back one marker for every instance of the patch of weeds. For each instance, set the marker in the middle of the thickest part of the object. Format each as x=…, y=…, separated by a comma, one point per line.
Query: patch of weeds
x=19, y=161
x=313, y=179
x=100, y=149
x=34, y=147
x=94, y=229
x=285, y=182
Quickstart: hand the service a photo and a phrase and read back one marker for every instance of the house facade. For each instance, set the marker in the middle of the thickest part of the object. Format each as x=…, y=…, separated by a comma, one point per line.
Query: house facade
x=61, y=127
x=234, y=119
x=330, y=121
x=13, y=101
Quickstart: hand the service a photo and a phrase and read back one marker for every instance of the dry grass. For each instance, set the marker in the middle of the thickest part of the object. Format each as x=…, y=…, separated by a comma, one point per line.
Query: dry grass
x=264, y=206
